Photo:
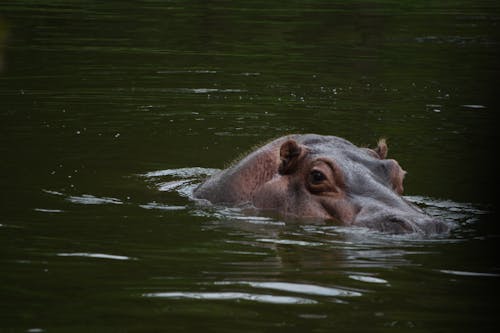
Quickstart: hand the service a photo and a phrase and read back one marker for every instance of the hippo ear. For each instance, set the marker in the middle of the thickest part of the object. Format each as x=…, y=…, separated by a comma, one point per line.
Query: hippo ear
x=289, y=156
x=381, y=149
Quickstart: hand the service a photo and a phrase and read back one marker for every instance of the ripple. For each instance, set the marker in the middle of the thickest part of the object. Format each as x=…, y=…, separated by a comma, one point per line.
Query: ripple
x=233, y=217
x=88, y=199
x=262, y=220
x=217, y=296
x=45, y=210
x=181, y=172
x=453, y=213
x=203, y=90
x=297, y=288
x=95, y=255
x=173, y=185
x=159, y=206
x=52, y=192
x=187, y=180
x=464, y=273
x=199, y=71
x=473, y=106
x=368, y=279
x=84, y=199
x=288, y=242
x=444, y=204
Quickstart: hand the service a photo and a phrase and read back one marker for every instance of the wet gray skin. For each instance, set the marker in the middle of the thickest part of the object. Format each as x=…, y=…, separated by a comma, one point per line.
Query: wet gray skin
x=314, y=177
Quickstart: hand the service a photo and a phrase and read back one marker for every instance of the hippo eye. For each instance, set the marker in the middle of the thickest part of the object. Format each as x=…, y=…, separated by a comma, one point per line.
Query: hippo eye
x=317, y=177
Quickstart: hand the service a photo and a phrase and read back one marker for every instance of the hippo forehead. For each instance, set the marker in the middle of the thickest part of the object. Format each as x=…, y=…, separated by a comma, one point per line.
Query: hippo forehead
x=358, y=166
x=335, y=148
x=323, y=142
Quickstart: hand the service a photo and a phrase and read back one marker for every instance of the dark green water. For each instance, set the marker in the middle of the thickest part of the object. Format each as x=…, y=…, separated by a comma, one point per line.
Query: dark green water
x=111, y=112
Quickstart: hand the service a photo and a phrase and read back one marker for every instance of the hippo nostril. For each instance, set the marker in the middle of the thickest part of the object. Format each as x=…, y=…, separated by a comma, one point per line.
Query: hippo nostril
x=402, y=225
x=390, y=224
x=426, y=225
x=433, y=226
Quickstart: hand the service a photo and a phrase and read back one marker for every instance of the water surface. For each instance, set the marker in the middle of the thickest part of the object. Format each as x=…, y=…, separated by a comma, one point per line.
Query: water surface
x=111, y=113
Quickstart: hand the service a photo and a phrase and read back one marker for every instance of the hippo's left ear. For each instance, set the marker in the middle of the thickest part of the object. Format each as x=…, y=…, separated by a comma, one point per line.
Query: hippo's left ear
x=381, y=149
x=289, y=156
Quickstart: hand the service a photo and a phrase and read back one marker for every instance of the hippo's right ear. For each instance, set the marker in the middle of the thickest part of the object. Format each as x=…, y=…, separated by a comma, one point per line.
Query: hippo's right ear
x=289, y=156
x=381, y=149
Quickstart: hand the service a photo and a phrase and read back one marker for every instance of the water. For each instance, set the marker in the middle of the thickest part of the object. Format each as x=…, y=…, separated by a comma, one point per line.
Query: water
x=112, y=113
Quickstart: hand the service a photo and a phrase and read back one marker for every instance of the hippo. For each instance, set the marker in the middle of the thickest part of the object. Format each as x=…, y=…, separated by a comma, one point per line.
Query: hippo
x=313, y=177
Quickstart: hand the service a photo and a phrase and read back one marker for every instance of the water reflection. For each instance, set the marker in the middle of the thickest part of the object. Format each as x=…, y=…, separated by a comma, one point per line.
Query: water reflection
x=331, y=293
x=471, y=274
x=46, y=210
x=297, y=288
x=86, y=199
x=95, y=255
x=160, y=206
x=368, y=279
x=218, y=296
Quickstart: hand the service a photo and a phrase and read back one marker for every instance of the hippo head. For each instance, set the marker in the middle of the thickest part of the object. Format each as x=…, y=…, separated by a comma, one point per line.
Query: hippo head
x=329, y=178
x=315, y=177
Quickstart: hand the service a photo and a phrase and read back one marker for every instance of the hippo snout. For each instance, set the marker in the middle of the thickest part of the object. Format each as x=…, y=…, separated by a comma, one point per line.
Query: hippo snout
x=434, y=226
x=404, y=224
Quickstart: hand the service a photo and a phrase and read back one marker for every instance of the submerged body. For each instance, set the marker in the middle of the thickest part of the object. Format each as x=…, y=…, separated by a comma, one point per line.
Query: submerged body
x=322, y=177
